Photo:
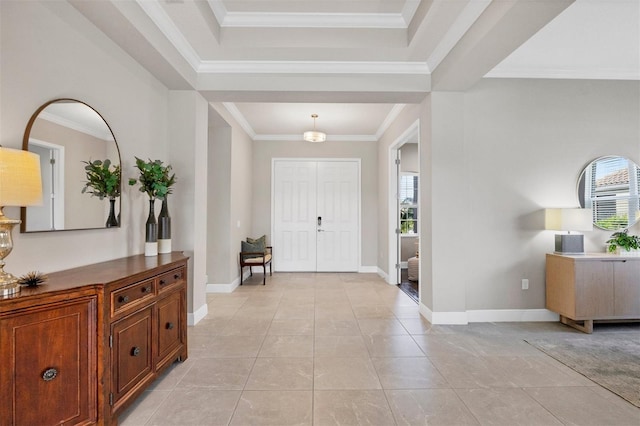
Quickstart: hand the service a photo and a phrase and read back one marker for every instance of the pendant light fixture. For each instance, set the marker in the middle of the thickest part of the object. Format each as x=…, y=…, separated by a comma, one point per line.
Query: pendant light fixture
x=314, y=135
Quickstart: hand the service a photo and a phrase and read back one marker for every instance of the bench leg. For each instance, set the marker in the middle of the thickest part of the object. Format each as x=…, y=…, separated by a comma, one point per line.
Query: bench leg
x=264, y=275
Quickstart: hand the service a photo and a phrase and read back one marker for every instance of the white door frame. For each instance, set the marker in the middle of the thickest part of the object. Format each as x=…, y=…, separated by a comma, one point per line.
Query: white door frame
x=412, y=132
x=356, y=160
x=58, y=154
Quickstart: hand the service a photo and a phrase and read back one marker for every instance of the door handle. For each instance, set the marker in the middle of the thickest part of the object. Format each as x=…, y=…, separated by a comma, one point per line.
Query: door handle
x=320, y=230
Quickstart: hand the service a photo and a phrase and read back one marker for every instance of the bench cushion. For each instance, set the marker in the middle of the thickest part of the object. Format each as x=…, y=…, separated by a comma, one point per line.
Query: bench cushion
x=258, y=260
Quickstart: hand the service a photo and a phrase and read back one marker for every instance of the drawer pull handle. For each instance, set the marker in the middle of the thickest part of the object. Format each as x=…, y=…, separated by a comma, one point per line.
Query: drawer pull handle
x=123, y=299
x=170, y=326
x=146, y=289
x=176, y=276
x=162, y=282
x=135, y=351
x=49, y=374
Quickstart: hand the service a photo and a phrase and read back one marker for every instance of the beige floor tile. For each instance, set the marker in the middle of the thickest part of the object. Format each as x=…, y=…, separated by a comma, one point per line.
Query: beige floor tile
x=214, y=373
x=380, y=345
x=447, y=345
x=588, y=406
x=274, y=408
x=388, y=326
x=340, y=346
x=287, y=346
x=415, y=325
x=408, y=373
x=409, y=312
x=281, y=373
x=437, y=407
x=196, y=407
x=508, y=407
x=230, y=347
x=471, y=371
x=344, y=373
x=245, y=327
x=335, y=327
x=209, y=326
x=535, y=372
x=506, y=346
x=143, y=408
x=225, y=312
x=295, y=311
x=373, y=311
x=172, y=375
x=341, y=312
x=351, y=407
x=286, y=327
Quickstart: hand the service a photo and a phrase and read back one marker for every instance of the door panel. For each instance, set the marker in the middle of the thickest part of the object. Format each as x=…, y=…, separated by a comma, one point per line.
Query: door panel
x=294, y=216
x=338, y=204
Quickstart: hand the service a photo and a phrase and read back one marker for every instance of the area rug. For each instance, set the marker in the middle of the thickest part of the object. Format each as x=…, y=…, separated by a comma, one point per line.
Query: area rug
x=612, y=361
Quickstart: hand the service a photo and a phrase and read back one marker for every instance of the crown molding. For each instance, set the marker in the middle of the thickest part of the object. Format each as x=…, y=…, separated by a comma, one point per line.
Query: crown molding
x=393, y=114
x=164, y=23
x=239, y=117
x=565, y=73
x=314, y=20
x=312, y=67
x=458, y=29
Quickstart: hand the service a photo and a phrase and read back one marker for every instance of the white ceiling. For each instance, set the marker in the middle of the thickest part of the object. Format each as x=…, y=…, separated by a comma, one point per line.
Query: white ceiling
x=356, y=63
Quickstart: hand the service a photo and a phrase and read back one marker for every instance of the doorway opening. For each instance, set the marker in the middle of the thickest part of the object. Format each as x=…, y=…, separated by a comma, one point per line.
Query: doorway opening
x=404, y=207
x=49, y=216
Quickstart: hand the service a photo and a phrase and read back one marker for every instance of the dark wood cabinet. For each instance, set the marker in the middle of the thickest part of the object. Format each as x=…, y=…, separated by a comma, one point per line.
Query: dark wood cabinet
x=82, y=347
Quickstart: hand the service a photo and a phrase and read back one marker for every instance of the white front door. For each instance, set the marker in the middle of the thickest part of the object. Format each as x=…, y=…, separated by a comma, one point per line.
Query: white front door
x=316, y=215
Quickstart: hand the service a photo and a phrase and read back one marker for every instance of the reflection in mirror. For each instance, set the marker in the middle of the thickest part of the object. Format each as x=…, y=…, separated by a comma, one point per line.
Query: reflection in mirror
x=610, y=187
x=66, y=133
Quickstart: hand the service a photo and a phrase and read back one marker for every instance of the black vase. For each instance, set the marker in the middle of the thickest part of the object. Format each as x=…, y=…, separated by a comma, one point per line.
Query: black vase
x=112, y=220
x=164, y=228
x=151, y=232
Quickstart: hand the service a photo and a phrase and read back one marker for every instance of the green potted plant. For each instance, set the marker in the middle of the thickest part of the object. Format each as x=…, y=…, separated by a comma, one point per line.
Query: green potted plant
x=622, y=240
x=103, y=181
x=156, y=181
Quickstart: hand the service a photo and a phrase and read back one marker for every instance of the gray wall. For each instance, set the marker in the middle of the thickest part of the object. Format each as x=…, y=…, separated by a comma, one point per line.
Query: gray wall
x=265, y=151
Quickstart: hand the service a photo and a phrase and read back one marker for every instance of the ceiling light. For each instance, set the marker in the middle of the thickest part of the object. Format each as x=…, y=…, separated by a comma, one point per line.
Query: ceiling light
x=314, y=135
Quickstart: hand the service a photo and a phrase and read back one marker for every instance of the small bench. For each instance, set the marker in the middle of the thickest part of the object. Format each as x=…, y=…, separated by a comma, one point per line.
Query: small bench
x=251, y=259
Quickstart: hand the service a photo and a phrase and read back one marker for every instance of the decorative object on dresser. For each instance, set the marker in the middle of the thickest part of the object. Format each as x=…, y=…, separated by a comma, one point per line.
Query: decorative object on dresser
x=32, y=279
x=82, y=348
x=155, y=180
x=568, y=219
x=103, y=181
x=588, y=287
x=20, y=185
x=623, y=244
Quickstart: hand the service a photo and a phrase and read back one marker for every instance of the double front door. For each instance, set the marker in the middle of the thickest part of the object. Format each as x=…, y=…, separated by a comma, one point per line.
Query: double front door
x=316, y=222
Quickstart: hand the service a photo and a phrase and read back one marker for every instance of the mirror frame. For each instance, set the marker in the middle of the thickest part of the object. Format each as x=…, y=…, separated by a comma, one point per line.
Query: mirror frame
x=25, y=147
x=580, y=186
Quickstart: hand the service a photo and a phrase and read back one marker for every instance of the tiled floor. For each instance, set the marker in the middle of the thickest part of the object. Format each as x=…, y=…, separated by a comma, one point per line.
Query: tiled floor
x=348, y=349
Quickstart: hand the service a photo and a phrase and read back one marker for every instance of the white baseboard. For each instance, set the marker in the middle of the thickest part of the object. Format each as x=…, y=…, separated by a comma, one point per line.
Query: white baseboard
x=383, y=275
x=488, y=315
x=368, y=270
x=226, y=288
x=194, y=318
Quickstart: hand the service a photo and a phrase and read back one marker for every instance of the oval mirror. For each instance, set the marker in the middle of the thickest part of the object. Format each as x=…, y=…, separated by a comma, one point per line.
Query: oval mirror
x=609, y=186
x=67, y=134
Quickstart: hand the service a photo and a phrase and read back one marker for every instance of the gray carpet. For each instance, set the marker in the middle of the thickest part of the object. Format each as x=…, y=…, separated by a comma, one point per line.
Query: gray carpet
x=610, y=360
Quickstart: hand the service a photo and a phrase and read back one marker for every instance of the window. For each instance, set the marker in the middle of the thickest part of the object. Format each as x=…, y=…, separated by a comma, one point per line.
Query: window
x=408, y=204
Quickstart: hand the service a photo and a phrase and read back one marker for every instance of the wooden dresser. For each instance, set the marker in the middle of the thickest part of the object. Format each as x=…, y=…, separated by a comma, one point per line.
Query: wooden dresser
x=588, y=287
x=83, y=346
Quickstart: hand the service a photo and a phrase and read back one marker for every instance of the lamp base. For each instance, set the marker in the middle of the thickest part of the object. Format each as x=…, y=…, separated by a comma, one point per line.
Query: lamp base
x=570, y=243
x=8, y=284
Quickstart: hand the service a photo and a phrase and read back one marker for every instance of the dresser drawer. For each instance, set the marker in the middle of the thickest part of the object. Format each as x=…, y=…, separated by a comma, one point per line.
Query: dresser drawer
x=171, y=279
x=131, y=296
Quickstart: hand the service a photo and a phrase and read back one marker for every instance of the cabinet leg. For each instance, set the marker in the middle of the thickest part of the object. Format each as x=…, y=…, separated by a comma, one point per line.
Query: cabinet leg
x=585, y=327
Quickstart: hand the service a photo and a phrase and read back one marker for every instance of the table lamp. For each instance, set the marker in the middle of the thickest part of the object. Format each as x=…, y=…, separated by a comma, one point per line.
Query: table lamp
x=569, y=219
x=20, y=186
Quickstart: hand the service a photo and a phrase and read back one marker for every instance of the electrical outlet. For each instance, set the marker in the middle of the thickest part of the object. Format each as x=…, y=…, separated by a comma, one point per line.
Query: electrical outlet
x=525, y=284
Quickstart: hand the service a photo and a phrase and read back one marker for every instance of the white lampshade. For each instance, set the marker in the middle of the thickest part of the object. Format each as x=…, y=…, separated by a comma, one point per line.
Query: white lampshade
x=568, y=219
x=314, y=136
x=20, y=179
